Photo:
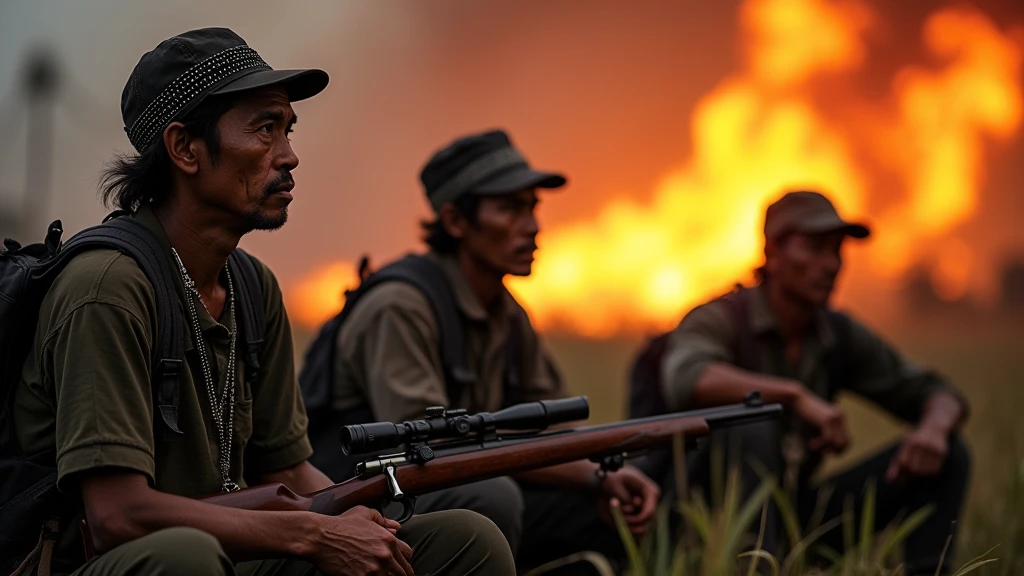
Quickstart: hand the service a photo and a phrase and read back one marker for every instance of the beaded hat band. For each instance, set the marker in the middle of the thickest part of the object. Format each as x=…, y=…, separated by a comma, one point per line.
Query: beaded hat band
x=186, y=87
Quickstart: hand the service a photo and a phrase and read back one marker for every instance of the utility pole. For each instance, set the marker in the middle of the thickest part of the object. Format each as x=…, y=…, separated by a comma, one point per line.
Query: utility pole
x=41, y=81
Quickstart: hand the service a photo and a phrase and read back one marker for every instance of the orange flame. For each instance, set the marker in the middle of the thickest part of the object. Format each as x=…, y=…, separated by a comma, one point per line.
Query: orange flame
x=764, y=129
x=320, y=295
x=761, y=131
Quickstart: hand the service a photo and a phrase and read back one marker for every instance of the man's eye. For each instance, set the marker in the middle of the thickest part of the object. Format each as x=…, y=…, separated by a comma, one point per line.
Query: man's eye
x=268, y=128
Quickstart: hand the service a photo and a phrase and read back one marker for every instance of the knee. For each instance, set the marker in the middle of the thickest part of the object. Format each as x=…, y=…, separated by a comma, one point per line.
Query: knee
x=181, y=551
x=499, y=499
x=482, y=547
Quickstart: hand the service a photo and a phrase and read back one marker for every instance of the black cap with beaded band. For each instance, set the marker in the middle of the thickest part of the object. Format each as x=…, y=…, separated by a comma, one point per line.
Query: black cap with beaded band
x=182, y=71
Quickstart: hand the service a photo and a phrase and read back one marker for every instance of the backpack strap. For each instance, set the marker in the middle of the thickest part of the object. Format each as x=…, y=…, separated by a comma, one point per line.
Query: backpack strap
x=249, y=281
x=425, y=276
x=512, y=386
x=837, y=359
x=134, y=239
x=744, y=348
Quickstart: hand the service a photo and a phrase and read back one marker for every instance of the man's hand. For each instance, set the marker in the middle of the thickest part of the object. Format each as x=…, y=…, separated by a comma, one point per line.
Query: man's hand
x=360, y=541
x=633, y=493
x=922, y=453
x=827, y=418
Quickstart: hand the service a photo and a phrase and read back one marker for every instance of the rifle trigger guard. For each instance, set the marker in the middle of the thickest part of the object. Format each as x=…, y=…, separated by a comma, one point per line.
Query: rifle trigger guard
x=408, y=508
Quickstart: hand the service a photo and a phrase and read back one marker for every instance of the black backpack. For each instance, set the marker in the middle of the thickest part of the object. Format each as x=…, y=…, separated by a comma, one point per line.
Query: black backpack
x=29, y=497
x=646, y=392
x=316, y=378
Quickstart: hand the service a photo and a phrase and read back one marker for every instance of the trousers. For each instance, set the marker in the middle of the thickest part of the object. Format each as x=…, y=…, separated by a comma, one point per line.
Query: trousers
x=453, y=543
x=540, y=524
x=818, y=503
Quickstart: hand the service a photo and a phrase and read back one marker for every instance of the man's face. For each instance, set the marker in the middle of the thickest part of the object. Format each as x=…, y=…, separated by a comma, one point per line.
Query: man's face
x=505, y=235
x=252, y=177
x=806, y=265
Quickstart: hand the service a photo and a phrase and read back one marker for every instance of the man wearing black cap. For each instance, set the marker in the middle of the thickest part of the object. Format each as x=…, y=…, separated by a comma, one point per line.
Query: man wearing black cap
x=781, y=338
x=390, y=364
x=210, y=121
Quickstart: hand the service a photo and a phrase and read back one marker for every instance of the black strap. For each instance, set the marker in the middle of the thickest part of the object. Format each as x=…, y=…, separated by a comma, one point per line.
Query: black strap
x=136, y=240
x=837, y=358
x=249, y=294
x=511, y=394
x=744, y=348
x=424, y=275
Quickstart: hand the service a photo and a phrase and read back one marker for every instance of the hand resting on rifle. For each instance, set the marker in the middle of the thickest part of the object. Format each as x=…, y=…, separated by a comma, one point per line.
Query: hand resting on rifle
x=120, y=506
x=635, y=494
x=723, y=383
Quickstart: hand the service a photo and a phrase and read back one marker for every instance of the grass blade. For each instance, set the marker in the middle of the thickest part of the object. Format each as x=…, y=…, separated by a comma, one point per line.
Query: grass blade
x=698, y=515
x=805, y=543
x=904, y=530
x=635, y=560
x=760, y=537
x=759, y=555
x=661, y=541
x=975, y=566
x=848, y=521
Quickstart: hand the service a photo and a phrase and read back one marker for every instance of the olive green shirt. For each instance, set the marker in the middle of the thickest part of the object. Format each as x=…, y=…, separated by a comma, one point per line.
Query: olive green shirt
x=878, y=373
x=86, y=387
x=389, y=352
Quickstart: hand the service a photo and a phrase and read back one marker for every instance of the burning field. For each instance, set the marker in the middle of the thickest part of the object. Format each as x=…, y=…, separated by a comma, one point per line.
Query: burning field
x=793, y=114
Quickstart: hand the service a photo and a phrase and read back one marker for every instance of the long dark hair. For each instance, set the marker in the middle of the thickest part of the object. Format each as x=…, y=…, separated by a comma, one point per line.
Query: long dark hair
x=129, y=180
x=437, y=238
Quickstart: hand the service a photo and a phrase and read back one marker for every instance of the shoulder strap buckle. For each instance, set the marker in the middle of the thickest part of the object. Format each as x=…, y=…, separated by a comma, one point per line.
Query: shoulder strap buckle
x=169, y=367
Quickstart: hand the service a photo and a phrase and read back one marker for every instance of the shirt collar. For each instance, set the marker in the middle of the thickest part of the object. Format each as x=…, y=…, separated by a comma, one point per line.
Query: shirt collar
x=762, y=319
x=466, y=299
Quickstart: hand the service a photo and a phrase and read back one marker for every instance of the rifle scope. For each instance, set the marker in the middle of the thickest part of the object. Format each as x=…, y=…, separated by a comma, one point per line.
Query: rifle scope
x=441, y=424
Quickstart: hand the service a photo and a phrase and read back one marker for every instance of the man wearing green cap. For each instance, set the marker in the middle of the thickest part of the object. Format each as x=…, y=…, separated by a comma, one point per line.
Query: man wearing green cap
x=393, y=359
x=210, y=121
x=780, y=338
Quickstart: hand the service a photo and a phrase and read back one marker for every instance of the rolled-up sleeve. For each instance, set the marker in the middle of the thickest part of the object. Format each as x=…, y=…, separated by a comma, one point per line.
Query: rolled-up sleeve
x=701, y=339
x=894, y=383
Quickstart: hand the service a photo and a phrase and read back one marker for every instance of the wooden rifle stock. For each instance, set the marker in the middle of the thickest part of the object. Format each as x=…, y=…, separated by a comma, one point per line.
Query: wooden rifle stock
x=488, y=459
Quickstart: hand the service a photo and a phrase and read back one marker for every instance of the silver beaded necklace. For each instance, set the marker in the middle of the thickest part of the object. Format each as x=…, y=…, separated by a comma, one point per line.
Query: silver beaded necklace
x=222, y=405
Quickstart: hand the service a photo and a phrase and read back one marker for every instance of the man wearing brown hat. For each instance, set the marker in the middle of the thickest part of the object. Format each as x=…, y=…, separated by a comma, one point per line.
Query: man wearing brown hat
x=781, y=338
x=394, y=356
x=210, y=121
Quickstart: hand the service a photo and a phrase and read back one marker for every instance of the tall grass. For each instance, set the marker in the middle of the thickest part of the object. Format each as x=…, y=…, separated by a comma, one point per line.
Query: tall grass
x=714, y=539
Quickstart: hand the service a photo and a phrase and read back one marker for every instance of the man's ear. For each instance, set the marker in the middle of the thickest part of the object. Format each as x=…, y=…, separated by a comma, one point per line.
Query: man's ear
x=182, y=148
x=453, y=222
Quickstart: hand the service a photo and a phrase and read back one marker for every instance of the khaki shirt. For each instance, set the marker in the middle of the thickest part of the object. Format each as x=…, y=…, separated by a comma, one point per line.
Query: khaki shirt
x=879, y=374
x=389, y=352
x=86, y=388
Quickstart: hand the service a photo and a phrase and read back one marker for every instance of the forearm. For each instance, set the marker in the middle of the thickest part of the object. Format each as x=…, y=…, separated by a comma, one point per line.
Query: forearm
x=942, y=412
x=303, y=478
x=722, y=383
x=576, y=475
x=244, y=534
